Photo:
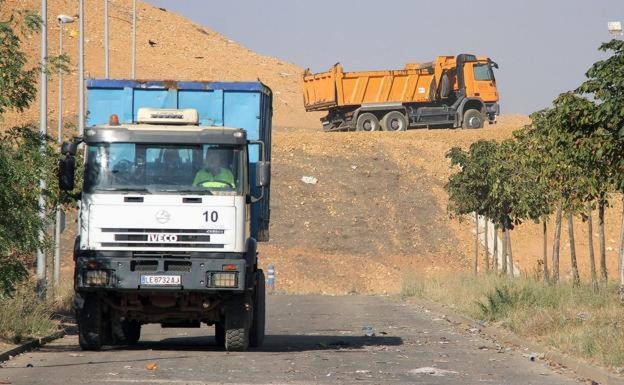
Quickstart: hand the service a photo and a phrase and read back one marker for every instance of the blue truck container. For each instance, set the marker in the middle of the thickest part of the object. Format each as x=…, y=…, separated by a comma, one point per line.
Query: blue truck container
x=246, y=105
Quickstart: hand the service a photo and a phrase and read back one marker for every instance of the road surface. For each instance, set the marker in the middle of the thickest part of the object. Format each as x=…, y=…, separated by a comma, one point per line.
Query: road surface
x=311, y=340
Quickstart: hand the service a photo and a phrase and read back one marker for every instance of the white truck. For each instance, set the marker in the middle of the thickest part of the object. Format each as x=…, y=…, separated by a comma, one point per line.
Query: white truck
x=167, y=232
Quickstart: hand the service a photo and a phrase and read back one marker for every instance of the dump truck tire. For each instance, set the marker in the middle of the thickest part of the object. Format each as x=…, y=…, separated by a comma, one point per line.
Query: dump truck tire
x=90, y=325
x=367, y=122
x=473, y=119
x=256, y=338
x=394, y=121
x=237, y=325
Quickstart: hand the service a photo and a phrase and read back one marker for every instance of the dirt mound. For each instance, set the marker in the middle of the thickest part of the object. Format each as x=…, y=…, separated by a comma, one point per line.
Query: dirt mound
x=179, y=49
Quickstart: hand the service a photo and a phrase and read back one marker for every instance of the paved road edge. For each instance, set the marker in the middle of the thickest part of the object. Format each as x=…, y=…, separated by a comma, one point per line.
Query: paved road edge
x=30, y=345
x=581, y=369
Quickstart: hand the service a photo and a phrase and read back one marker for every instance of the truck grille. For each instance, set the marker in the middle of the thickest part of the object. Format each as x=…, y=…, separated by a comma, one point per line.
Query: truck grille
x=163, y=238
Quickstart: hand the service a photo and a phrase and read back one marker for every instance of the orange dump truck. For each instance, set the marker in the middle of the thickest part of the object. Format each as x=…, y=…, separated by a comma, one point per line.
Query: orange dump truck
x=450, y=91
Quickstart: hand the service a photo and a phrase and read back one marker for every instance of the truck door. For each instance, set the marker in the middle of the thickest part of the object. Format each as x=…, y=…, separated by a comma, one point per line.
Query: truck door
x=480, y=81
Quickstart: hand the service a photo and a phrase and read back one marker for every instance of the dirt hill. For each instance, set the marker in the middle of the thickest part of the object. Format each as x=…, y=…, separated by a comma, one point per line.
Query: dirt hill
x=180, y=50
x=378, y=208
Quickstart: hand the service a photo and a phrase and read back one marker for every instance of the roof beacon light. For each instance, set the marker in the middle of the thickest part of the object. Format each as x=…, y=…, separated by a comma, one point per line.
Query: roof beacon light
x=186, y=116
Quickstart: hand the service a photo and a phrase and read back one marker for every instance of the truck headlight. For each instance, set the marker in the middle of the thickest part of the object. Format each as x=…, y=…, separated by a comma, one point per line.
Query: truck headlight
x=96, y=277
x=222, y=279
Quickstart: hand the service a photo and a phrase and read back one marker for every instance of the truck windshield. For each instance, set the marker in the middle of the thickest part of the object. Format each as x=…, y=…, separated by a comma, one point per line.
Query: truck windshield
x=210, y=169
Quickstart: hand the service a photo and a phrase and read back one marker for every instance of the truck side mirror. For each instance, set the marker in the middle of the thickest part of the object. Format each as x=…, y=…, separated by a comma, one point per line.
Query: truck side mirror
x=69, y=147
x=66, y=172
x=263, y=173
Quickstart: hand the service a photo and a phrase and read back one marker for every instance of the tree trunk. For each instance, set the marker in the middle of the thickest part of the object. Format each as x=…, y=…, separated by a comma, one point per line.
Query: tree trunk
x=510, y=266
x=556, y=244
x=621, y=254
x=495, y=253
x=545, y=250
x=590, y=246
x=504, y=257
x=476, y=250
x=601, y=232
x=486, y=255
x=576, y=281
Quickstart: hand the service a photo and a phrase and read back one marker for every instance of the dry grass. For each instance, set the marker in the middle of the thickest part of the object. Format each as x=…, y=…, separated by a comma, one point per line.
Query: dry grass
x=24, y=316
x=578, y=321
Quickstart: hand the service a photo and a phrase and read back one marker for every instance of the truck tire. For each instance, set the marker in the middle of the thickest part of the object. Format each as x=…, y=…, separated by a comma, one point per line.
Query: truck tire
x=394, y=121
x=219, y=335
x=367, y=122
x=256, y=337
x=90, y=326
x=125, y=332
x=237, y=325
x=473, y=119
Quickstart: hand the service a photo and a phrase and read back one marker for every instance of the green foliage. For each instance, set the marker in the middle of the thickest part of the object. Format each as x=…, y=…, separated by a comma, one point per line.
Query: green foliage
x=23, y=164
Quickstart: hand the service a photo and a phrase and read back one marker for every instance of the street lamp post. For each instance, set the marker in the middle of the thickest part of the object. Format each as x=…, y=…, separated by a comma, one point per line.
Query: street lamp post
x=43, y=130
x=62, y=20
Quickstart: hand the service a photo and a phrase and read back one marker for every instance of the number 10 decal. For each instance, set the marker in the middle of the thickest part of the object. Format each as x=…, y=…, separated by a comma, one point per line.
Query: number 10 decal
x=211, y=216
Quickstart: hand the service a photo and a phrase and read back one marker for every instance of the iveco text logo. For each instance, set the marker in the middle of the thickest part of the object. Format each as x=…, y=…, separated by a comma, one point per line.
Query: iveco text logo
x=163, y=216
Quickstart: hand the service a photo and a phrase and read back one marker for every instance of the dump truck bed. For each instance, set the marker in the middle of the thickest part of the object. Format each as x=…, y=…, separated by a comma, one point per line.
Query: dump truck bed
x=336, y=88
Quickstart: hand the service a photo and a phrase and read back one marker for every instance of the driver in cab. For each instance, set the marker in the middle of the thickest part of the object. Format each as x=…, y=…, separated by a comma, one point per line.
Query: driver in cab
x=214, y=173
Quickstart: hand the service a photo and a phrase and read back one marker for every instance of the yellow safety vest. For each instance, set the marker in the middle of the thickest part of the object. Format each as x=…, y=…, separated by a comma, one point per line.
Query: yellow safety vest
x=205, y=178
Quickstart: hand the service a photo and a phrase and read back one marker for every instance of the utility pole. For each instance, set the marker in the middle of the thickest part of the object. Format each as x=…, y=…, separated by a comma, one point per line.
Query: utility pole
x=43, y=130
x=62, y=20
x=133, y=39
x=106, y=67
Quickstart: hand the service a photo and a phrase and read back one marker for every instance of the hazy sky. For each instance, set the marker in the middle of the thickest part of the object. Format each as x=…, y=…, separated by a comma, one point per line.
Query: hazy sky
x=543, y=47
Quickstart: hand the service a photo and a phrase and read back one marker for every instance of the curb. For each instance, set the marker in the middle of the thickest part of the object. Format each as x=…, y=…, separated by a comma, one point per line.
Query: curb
x=30, y=345
x=581, y=369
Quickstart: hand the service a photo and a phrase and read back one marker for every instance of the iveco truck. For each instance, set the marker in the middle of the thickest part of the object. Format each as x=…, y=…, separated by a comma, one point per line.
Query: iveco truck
x=175, y=196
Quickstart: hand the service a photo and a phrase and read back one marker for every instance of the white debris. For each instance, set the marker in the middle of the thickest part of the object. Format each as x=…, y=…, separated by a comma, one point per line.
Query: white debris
x=353, y=167
x=309, y=180
x=432, y=371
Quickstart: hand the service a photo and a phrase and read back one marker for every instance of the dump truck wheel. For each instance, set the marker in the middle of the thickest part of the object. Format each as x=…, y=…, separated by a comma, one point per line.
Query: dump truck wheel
x=473, y=119
x=90, y=325
x=237, y=326
x=256, y=338
x=367, y=122
x=445, y=86
x=394, y=121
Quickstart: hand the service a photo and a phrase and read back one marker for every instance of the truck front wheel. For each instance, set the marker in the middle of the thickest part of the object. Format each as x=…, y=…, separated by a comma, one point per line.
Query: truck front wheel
x=473, y=119
x=256, y=338
x=90, y=325
x=237, y=325
x=367, y=122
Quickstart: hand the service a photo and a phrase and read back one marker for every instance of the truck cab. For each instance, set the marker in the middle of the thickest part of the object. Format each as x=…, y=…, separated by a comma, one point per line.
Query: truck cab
x=165, y=229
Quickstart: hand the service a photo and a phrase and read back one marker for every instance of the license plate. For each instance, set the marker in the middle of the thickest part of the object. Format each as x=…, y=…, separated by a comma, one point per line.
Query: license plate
x=161, y=280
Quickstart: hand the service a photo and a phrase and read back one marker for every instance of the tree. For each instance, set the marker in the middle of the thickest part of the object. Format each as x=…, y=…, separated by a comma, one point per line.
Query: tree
x=605, y=84
x=21, y=161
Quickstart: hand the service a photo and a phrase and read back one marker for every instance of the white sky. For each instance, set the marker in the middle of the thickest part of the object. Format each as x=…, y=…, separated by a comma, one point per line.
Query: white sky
x=543, y=47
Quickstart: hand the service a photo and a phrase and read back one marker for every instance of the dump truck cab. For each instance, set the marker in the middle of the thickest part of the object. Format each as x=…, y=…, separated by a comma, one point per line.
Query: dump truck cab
x=166, y=228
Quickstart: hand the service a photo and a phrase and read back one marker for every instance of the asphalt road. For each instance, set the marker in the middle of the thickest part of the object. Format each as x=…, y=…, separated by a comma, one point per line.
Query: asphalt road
x=311, y=340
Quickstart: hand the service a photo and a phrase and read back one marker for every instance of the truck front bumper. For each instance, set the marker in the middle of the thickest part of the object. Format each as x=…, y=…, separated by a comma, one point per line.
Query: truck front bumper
x=207, y=275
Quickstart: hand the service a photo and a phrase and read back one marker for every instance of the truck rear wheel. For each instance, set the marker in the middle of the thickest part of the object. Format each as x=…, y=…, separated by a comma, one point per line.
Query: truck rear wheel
x=394, y=121
x=367, y=122
x=90, y=325
x=473, y=119
x=256, y=338
x=237, y=326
